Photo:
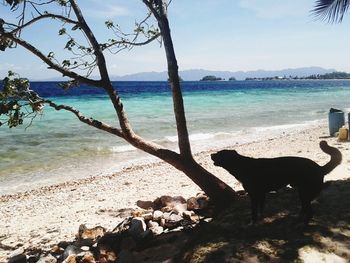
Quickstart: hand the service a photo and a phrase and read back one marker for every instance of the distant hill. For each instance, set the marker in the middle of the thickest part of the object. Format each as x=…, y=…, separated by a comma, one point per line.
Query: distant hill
x=197, y=74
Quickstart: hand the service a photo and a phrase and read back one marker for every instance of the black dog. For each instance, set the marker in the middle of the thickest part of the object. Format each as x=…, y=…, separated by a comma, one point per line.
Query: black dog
x=259, y=176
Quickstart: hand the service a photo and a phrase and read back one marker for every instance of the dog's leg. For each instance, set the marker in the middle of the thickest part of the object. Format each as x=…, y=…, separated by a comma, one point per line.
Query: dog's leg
x=261, y=205
x=306, y=212
x=254, y=207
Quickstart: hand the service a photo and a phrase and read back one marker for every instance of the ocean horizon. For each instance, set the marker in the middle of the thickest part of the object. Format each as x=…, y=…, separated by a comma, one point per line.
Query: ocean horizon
x=56, y=147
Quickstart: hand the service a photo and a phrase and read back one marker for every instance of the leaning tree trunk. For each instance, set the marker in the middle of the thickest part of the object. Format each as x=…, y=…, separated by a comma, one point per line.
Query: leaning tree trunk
x=214, y=187
x=217, y=190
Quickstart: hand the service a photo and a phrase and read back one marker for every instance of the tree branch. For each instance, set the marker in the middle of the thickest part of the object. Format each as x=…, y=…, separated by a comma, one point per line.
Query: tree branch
x=123, y=42
x=62, y=18
x=90, y=121
x=101, y=63
x=50, y=63
x=135, y=140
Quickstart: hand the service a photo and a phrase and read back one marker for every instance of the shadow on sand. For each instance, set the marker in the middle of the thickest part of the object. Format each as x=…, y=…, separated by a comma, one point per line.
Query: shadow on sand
x=279, y=238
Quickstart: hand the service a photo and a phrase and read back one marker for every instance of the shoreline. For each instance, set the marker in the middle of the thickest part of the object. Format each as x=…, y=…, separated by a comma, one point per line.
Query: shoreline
x=47, y=215
x=84, y=170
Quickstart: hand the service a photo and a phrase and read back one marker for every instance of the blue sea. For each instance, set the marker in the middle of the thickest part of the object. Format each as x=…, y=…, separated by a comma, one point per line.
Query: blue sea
x=56, y=147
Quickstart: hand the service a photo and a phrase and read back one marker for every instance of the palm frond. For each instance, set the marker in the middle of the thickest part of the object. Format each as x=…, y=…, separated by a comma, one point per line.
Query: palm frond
x=331, y=11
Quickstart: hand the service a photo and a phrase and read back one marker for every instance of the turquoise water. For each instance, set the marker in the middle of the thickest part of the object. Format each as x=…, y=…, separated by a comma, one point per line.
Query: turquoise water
x=57, y=147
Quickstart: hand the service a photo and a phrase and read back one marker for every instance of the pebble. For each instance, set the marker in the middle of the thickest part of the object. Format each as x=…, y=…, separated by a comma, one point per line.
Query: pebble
x=157, y=215
x=17, y=252
x=47, y=259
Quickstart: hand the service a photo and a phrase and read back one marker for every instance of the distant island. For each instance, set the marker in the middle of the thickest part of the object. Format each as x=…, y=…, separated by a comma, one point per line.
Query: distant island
x=214, y=78
x=197, y=74
x=211, y=78
x=333, y=75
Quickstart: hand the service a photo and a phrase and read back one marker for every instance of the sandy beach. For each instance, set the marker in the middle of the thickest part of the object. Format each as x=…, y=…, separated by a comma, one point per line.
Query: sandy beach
x=45, y=216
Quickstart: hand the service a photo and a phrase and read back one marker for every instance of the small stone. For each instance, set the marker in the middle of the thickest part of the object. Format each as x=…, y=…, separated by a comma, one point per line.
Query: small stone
x=162, y=222
x=172, y=224
x=80, y=256
x=102, y=259
x=47, y=259
x=195, y=218
x=88, y=258
x=70, y=259
x=177, y=229
x=167, y=203
x=175, y=217
x=157, y=230
x=166, y=216
x=111, y=257
x=144, y=204
x=180, y=207
x=162, y=201
x=137, y=213
x=187, y=214
x=179, y=199
x=71, y=250
x=192, y=204
x=93, y=233
x=157, y=215
x=123, y=212
x=11, y=242
x=148, y=216
x=123, y=226
x=151, y=224
x=56, y=250
x=85, y=248
x=17, y=252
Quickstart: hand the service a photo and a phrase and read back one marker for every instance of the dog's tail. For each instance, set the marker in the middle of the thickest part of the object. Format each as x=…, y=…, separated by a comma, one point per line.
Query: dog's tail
x=335, y=154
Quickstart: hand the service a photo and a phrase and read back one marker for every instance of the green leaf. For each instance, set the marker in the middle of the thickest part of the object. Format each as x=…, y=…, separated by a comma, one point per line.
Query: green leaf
x=109, y=24
x=66, y=63
x=17, y=100
x=13, y=3
x=62, y=31
x=51, y=55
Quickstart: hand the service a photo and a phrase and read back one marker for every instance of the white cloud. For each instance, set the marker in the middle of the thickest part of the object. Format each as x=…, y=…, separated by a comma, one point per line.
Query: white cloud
x=106, y=11
x=275, y=9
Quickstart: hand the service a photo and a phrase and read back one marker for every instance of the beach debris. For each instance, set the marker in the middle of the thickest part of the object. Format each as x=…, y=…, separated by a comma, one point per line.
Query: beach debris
x=135, y=232
x=144, y=204
x=93, y=233
x=47, y=259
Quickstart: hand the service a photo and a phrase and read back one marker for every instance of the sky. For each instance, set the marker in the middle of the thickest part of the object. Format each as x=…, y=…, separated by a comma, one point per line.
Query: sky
x=208, y=34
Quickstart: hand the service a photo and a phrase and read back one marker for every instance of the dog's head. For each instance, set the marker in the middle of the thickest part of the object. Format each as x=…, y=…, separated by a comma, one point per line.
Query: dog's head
x=224, y=158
